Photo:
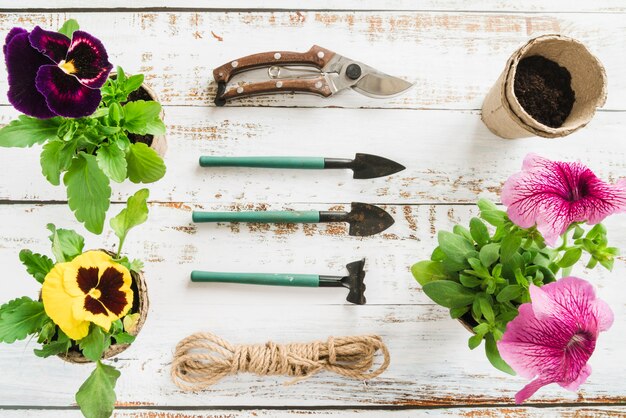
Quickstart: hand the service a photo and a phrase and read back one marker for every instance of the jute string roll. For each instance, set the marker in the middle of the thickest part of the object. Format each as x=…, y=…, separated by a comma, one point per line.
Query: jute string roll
x=202, y=359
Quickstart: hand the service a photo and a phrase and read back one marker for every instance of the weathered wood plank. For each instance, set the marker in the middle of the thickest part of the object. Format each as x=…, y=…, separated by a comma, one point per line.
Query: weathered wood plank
x=604, y=6
x=453, y=57
x=450, y=156
x=565, y=412
x=431, y=364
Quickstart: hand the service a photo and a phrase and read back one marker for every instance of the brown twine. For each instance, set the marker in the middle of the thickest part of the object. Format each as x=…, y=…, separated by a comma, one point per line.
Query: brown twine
x=202, y=359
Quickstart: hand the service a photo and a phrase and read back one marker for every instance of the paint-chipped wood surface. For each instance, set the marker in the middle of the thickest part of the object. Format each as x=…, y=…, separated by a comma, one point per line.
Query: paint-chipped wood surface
x=454, y=51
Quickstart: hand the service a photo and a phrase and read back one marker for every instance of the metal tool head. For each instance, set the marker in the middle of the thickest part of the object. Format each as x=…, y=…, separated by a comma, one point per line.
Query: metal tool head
x=368, y=166
x=342, y=72
x=354, y=282
x=365, y=219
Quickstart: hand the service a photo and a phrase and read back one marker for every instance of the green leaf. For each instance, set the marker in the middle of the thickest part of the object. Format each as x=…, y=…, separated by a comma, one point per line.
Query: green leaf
x=571, y=257
x=510, y=292
x=136, y=265
x=607, y=263
x=489, y=254
x=456, y=313
x=115, y=113
x=454, y=246
x=69, y=27
x=438, y=254
x=484, y=204
x=144, y=164
x=137, y=114
x=449, y=294
x=470, y=281
x=56, y=156
x=464, y=232
x=491, y=349
x=96, y=397
x=88, y=192
x=428, y=271
x=66, y=244
x=13, y=304
x=26, y=318
x=133, y=83
x=156, y=127
x=474, y=341
x=487, y=310
x=509, y=247
x=60, y=346
x=123, y=338
x=578, y=232
x=135, y=213
x=47, y=331
x=479, y=232
x=26, y=131
x=112, y=161
x=37, y=265
x=94, y=344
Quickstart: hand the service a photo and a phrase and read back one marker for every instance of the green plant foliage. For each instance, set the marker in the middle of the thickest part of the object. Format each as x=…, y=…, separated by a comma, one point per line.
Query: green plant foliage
x=135, y=213
x=89, y=151
x=69, y=27
x=26, y=131
x=66, y=243
x=88, y=192
x=96, y=397
x=483, y=276
x=20, y=318
x=37, y=265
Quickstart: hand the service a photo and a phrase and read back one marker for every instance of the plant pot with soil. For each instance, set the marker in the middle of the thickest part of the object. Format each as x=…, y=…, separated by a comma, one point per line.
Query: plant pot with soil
x=491, y=275
x=550, y=87
x=91, y=307
x=94, y=127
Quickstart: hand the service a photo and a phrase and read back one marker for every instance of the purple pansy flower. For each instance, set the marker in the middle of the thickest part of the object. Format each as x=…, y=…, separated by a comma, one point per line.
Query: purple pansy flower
x=553, y=336
x=555, y=194
x=51, y=75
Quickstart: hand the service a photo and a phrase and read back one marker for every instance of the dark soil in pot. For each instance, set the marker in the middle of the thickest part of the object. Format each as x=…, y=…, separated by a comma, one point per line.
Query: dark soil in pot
x=543, y=88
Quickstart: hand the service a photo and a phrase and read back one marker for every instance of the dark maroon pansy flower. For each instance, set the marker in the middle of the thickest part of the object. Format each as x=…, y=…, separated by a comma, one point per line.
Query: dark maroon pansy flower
x=51, y=75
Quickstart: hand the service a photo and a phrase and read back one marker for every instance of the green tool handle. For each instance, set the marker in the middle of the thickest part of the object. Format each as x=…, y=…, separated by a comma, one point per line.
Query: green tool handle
x=309, y=216
x=315, y=163
x=301, y=280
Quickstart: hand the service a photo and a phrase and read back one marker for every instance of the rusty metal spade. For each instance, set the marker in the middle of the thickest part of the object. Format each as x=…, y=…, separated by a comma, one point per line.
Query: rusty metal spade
x=353, y=281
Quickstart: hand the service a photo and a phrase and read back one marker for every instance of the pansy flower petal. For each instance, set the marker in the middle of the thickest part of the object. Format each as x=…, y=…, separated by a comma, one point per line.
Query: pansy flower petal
x=23, y=62
x=53, y=45
x=57, y=304
x=88, y=60
x=82, y=274
x=114, y=287
x=10, y=35
x=64, y=94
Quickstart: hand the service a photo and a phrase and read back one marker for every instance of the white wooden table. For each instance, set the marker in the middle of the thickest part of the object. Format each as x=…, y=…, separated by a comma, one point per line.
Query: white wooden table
x=454, y=50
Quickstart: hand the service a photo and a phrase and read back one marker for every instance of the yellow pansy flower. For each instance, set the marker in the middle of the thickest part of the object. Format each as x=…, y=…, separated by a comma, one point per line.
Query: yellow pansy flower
x=90, y=288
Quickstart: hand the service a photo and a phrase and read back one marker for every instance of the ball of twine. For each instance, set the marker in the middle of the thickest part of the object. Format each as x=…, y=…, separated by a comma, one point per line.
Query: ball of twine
x=202, y=359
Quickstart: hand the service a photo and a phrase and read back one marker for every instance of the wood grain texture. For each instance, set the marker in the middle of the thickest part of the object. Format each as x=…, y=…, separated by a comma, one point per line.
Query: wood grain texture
x=454, y=58
x=512, y=412
x=451, y=157
x=604, y=6
x=430, y=362
x=454, y=51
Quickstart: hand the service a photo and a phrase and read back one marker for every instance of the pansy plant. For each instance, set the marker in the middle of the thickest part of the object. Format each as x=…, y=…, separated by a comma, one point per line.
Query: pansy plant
x=485, y=273
x=85, y=305
x=91, y=123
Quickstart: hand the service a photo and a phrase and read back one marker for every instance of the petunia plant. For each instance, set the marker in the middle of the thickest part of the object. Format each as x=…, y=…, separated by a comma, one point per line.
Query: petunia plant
x=486, y=273
x=87, y=304
x=94, y=126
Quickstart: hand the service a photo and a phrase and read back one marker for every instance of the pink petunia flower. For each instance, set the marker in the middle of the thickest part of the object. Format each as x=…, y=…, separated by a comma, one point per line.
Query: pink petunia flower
x=555, y=194
x=553, y=336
